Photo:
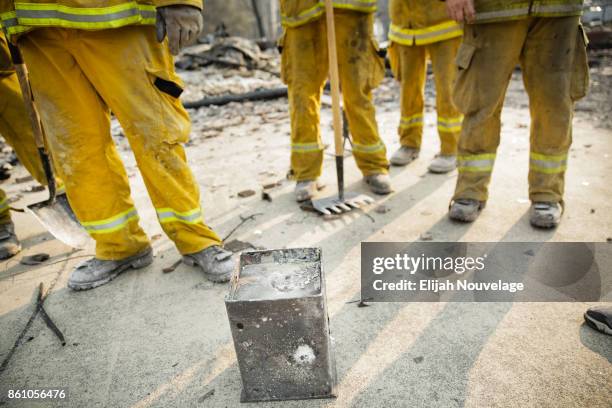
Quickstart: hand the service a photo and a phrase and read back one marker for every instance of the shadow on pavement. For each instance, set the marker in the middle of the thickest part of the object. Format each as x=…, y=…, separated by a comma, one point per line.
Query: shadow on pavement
x=436, y=369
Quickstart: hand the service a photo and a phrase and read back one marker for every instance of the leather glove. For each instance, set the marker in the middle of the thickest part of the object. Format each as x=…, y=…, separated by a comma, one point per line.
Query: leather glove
x=181, y=23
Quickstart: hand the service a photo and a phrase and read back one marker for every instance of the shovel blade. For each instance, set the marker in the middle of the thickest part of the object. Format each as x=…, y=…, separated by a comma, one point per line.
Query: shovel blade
x=57, y=218
x=329, y=205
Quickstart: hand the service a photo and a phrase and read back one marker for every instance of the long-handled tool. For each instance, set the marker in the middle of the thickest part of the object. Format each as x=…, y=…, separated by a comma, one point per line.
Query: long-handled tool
x=343, y=202
x=54, y=213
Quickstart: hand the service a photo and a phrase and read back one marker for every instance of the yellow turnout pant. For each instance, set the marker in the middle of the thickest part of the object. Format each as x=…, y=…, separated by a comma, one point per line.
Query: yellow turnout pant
x=305, y=70
x=409, y=65
x=15, y=125
x=552, y=55
x=78, y=78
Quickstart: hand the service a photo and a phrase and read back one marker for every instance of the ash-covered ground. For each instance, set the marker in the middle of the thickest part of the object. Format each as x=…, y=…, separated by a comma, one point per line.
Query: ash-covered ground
x=159, y=336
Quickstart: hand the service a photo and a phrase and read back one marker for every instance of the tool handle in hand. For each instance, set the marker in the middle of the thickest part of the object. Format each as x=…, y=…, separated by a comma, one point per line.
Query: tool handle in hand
x=334, y=77
x=37, y=129
x=26, y=90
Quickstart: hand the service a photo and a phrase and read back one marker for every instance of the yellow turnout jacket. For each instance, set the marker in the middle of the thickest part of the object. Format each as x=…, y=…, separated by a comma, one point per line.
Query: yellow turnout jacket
x=295, y=13
x=19, y=16
x=420, y=22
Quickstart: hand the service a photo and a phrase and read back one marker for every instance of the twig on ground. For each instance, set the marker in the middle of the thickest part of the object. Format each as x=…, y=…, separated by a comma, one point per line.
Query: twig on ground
x=17, y=343
x=40, y=299
x=243, y=220
x=172, y=267
x=46, y=264
x=43, y=313
x=367, y=214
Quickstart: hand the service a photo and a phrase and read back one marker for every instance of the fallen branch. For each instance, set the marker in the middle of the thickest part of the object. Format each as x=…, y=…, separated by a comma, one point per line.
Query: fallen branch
x=206, y=61
x=259, y=95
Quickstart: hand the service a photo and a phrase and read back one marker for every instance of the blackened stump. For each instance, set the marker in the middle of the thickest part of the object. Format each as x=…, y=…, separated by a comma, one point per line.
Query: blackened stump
x=278, y=317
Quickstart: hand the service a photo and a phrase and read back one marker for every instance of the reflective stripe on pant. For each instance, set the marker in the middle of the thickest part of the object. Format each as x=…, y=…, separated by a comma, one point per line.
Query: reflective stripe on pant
x=78, y=78
x=551, y=52
x=426, y=35
x=305, y=70
x=409, y=64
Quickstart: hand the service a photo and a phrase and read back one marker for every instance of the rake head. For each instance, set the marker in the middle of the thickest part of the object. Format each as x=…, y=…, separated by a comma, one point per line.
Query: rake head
x=337, y=205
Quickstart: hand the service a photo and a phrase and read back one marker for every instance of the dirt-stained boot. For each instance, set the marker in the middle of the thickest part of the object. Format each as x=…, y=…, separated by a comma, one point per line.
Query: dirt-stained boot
x=404, y=156
x=9, y=244
x=545, y=215
x=379, y=183
x=465, y=210
x=96, y=272
x=307, y=189
x=443, y=164
x=216, y=263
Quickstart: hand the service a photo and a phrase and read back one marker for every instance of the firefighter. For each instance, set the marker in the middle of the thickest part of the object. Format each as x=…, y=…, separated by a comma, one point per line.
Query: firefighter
x=305, y=71
x=87, y=61
x=545, y=37
x=421, y=30
x=16, y=130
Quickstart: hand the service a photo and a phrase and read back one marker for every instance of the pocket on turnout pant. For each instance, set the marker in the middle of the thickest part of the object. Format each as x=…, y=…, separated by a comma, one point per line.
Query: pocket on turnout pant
x=463, y=91
x=580, y=69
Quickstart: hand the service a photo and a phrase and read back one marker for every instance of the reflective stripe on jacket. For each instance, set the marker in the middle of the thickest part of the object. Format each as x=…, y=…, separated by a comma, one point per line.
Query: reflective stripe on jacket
x=295, y=13
x=419, y=22
x=500, y=10
x=23, y=15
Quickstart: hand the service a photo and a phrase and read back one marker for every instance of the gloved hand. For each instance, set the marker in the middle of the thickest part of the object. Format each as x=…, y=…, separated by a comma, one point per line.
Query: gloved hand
x=462, y=11
x=181, y=23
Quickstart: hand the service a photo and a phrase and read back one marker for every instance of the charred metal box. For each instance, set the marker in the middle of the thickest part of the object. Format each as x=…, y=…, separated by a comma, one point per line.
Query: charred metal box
x=278, y=316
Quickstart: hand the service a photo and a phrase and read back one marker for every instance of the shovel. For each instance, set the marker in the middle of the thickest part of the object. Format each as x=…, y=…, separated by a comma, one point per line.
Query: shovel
x=54, y=213
x=343, y=202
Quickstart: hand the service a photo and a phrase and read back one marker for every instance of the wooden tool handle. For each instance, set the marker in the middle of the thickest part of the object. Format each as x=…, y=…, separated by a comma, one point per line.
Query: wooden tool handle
x=334, y=78
x=26, y=90
x=37, y=129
